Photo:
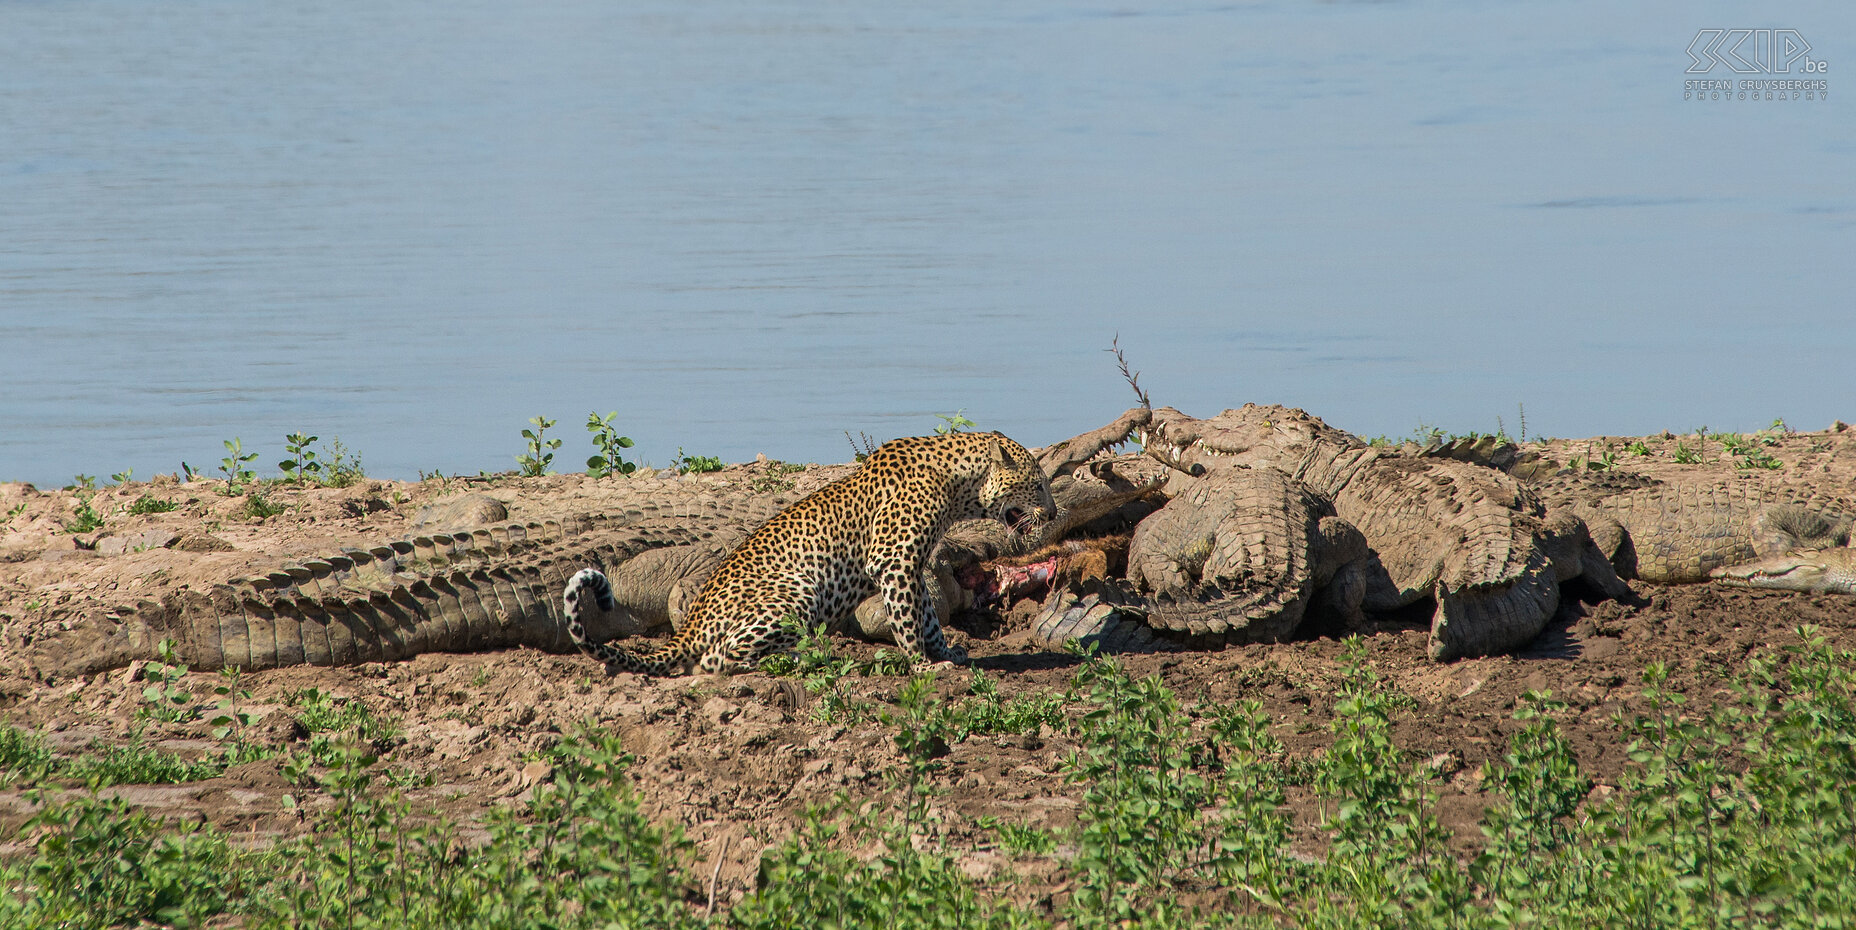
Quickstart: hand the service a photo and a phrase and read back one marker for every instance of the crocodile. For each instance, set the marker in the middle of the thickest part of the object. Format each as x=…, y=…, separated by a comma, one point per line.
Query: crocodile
x=1679, y=531
x=1816, y=571
x=1239, y=555
x=468, y=589
x=1674, y=524
x=1471, y=538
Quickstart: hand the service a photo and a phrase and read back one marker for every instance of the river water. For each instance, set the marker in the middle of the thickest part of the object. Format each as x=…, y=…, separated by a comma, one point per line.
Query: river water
x=753, y=226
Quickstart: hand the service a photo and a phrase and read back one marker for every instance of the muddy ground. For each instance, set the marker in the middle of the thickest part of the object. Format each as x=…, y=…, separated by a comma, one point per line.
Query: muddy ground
x=737, y=760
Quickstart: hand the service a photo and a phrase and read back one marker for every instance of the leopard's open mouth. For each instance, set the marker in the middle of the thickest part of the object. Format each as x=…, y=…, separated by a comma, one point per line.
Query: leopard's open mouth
x=1019, y=519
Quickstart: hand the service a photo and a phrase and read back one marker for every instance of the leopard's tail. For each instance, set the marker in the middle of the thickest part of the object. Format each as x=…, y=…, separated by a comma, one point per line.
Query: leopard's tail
x=589, y=587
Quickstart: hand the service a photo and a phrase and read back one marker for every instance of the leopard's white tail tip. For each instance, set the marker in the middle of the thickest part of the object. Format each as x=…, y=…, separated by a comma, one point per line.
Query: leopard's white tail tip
x=587, y=586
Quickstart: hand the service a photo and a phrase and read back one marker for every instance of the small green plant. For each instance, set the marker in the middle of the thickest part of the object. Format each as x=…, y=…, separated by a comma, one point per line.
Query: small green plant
x=340, y=467
x=685, y=464
x=1686, y=456
x=85, y=482
x=823, y=672
x=167, y=699
x=1701, y=445
x=148, y=503
x=1758, y=458
x=16, y=511
x=1605, y=461
x=774, y=479
x=233, y=717
x=1749, y=452
x=540, y=453
x=955, y=422
x=122, y=477
x=188, y=472
x=1140, y=811
x=609, y=443
x=1638, y=448
x=258, y=507
x=85, y=518
x=23, y=756
x=136, y=764
x=985, y=713
x=233, y=465
x=1539, y=786
x=1020, y=838
x=302, y=465
x=98, y=862
x=329, y=720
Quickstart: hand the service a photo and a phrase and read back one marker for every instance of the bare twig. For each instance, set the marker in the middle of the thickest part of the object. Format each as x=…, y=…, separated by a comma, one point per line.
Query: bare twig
x=717, y=871
x=859, y=453
x=1134, y=377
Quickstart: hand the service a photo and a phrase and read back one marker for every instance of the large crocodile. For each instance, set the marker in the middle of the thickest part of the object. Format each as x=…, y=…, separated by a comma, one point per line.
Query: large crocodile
x=1679, y=531
x=1671, y=523
x=1240, y=554
x=463, y=590
x=1469, y=537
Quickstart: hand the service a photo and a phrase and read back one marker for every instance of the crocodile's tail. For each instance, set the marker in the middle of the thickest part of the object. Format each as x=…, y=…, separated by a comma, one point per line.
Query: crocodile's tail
x=589, y=587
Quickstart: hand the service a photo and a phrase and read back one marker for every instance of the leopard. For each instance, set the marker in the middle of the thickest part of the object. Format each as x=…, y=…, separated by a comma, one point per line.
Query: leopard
x=872, y=531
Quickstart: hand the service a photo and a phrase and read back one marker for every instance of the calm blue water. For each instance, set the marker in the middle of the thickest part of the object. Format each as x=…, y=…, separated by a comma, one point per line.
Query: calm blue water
x=752, y=226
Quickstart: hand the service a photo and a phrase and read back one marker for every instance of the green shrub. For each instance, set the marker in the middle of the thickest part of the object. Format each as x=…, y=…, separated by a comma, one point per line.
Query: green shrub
x=540, y=452
x=685, y=464
x=148, y=503
x=609, y=443
x=100, y=863
x=580, y=854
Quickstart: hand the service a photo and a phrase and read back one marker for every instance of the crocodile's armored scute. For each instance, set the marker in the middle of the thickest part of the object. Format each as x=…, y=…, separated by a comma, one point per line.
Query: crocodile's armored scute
x=452, y=590
x=1470, y=537
x=1674, y=532
x=1240, y=554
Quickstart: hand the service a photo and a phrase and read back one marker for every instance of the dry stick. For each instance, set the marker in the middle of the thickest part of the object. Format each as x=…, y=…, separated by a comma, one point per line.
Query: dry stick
x=1134, y=381
x=717, y=872
x=1133, y=377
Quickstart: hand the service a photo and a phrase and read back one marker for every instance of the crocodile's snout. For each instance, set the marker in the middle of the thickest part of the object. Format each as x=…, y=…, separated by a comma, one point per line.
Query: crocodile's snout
x=1818, y=571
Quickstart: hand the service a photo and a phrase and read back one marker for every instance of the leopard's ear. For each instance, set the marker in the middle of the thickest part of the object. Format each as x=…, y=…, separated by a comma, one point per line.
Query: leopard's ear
x=1000, y=455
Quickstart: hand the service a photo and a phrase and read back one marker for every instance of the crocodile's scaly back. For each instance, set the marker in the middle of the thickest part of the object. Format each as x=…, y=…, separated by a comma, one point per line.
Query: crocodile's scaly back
x=458, y=591
x=1678, y=531
x=1466, y=535
x=1237, y=557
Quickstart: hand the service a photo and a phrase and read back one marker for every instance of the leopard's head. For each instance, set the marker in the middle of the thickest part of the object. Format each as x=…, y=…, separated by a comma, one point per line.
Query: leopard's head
x=1016, y=492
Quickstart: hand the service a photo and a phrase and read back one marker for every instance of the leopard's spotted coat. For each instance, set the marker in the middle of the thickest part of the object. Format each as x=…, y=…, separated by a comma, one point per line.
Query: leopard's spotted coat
x=871, y=531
